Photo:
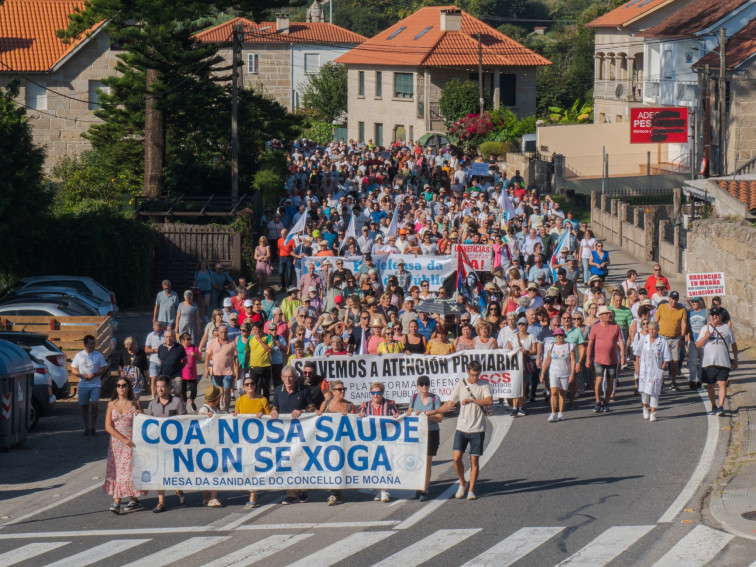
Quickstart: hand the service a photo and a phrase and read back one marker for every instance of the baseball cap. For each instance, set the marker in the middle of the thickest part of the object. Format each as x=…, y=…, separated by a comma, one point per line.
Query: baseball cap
x=715, y=311
x=558, y=331
x=696, y=299
x=532, y=285
x=674, y=295
x=227, y=302
x=248, y=303
x=522, y=321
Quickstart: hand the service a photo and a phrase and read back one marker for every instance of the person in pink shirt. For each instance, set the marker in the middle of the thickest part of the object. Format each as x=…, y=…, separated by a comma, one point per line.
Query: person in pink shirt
x=189, y=371
x=604, y=340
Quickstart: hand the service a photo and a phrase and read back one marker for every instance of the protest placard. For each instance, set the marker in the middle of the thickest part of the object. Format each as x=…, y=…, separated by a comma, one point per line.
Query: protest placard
x=705, y=284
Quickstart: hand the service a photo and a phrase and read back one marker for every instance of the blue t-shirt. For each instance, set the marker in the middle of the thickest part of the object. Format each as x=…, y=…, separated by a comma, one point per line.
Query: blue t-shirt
x=426, y=329
x=697, y=321
x=416, y=404
x=330, y=238
x=203, y=280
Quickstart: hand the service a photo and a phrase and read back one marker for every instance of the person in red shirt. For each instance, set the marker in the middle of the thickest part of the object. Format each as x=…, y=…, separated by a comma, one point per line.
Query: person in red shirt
x=603, y=341
x=286, y=260
x=653, y=278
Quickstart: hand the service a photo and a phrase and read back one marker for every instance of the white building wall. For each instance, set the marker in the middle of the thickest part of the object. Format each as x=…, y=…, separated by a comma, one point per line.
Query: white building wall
x=299, y=77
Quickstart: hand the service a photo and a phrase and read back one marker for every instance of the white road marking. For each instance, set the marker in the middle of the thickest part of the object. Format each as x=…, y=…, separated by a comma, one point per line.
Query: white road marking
x=606, y=546
x=696, y=549
x=319, y=525
x=28, y=551
x=98, y=553
x=702, y=469
x=233, y=520
x=57, y=502
x=513, y=548
x=500, y=425
x=427, y=548
x=179, y=551
x=96, y=533
x=342, y=549
x=258, y=551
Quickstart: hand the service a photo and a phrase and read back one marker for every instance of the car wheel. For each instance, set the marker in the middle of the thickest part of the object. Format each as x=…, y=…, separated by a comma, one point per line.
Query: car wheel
x=36, y=410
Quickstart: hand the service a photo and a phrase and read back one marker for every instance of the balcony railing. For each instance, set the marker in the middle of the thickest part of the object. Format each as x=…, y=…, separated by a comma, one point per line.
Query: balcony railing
x=626, y=90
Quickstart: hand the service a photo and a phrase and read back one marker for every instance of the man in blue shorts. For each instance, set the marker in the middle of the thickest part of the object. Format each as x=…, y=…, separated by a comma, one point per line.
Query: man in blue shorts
x=89, y=365
x=474, y=397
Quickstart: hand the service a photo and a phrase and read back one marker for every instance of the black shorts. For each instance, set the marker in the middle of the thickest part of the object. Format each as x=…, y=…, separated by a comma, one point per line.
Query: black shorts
x=714, y=374
x=434, y=440
x=475, y=440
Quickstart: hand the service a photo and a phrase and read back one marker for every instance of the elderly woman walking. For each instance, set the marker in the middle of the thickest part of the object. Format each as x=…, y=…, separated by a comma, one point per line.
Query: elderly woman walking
x=653, y=355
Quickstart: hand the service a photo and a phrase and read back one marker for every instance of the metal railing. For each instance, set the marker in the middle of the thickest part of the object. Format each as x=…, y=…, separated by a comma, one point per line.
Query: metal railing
x=641, y=196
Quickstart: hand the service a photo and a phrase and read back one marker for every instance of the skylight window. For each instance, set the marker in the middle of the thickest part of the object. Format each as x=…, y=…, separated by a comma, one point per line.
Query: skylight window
x=397, y=32
x=632, y=3
x=643, y=3
x=422, y=33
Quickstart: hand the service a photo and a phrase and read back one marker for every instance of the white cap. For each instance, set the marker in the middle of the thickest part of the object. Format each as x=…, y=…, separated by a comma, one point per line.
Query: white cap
x=227, y=302
x=312, y=288
x=248, y=303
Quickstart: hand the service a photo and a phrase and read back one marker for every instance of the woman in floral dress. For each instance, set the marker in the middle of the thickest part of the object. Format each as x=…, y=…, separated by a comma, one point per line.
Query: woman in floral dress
x=119, y=421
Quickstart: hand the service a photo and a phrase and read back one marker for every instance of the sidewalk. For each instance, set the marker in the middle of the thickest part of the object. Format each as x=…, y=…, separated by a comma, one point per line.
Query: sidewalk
x=732, y=496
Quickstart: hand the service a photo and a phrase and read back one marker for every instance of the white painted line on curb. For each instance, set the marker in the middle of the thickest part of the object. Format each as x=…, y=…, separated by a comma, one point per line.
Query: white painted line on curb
x=702, y=468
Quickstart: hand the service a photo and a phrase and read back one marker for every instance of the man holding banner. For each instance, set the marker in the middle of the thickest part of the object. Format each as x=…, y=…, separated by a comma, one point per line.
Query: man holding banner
x=473, y=398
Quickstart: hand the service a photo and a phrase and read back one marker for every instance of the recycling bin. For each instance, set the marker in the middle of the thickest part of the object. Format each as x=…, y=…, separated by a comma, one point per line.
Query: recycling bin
x=16, y=381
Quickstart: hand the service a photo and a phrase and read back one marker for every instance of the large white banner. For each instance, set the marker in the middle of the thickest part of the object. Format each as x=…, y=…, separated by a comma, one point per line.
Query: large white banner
x=246, y=453
x=433, y=269
x=502, y=371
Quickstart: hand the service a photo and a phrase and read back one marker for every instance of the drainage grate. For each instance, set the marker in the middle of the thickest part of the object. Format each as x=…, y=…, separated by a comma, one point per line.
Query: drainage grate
x=750, y=515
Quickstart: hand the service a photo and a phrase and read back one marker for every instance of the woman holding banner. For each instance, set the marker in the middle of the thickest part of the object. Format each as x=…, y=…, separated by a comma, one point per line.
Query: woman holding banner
x=527, y=345
x=251, y=403
x=378, y=405
x=336, y=404
x=426, y=402
x=439, y=344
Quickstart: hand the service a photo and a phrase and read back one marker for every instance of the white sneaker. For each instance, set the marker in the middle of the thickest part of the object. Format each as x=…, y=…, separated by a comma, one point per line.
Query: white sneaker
x=384, y=496
x=552, y=418
x=460, y=492
x=652, y=417
x=471, y=495
x=645, y=413
x=560, y=416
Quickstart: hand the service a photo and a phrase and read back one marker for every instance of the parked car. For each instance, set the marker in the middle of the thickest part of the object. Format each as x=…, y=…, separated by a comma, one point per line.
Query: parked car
x=43, y=399
x=83, y=284
x=43, y=349
x=44, y=294
x=47, y=308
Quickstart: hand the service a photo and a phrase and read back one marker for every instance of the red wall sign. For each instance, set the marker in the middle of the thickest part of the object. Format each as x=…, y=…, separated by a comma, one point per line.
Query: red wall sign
x=658, y=125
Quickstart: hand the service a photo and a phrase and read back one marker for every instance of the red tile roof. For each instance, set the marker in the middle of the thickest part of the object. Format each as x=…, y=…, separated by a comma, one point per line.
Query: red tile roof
x=741, y=46
x=627, y=13
x=27, y=34
x=745, y=191
x=421, y=42
x=697, y=16
x=265, y=32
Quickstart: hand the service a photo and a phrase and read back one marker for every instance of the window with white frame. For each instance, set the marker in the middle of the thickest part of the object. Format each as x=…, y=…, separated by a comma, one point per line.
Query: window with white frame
x=253, y=63
x=95, y=89
x=311, y=63
x=36, y=96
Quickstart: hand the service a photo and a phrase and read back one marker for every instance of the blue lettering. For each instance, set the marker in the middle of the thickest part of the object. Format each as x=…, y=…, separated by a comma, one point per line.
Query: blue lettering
x=345, y=429
x=164, y=433
x=213, y=460
x=283, y=457
x=295, y=430
x=410, y=428
x=194, y=433
x=312, y=458
x=327, y=458
x=228, y=427
x=245, y=431
x=264, y=462
x=179, y=457
x=323, y=425
x=358, y=462
x=394, y=435
x=370, y=436
x=275, y=431
x=381, y=459
x=228, y=456
x=147, y=438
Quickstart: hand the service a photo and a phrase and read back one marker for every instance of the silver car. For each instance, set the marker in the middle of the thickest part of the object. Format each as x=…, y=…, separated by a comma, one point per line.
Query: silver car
x=83, y=284
x=39, y=346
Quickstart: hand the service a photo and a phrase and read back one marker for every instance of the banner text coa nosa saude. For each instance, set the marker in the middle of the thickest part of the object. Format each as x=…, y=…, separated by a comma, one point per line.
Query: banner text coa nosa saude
x=331, y=451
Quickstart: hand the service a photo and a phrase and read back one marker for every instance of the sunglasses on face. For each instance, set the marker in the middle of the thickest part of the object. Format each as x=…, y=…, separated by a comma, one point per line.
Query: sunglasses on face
x=247, y=384
x=339, y=389
x=376, y=393
x=122, y=385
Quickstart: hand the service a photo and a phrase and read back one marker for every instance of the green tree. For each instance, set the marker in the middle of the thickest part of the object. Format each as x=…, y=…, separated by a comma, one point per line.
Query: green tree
x=326, y=91
x=23, y=196
x=458, y=99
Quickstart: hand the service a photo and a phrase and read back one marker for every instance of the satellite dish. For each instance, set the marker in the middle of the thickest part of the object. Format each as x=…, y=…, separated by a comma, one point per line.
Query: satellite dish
x=618, y=92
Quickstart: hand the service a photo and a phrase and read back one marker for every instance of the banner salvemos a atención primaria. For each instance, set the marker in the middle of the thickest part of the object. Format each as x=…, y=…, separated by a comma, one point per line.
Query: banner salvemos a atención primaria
x=331, y=451
x=502, y=371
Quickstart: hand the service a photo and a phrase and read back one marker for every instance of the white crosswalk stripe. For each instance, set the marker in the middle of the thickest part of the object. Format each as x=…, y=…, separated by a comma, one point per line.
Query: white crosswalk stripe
x=28, y=551
x=179, y=551
x=427, y=548
x=258, y=551
x=696, y=549
x=98, y=553
x=513, y=548
x=342, y=549
x=606, y=546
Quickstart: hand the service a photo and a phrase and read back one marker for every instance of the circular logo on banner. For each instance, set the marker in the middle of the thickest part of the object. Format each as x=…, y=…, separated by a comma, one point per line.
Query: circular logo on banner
x=409, y=462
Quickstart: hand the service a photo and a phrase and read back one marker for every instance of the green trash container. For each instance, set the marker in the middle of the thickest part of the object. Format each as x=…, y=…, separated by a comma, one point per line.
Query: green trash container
x=16, y=381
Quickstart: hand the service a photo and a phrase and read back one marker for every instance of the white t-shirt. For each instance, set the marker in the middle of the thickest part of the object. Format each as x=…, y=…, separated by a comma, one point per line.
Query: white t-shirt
x=153, y=341
x=89, y=363
x=586, y=248
x=472, y=417
x=716, y=351
x=560, y=366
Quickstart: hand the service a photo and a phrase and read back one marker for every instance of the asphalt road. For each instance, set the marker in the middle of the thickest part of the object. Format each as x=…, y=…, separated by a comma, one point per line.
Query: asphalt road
x=595, y=489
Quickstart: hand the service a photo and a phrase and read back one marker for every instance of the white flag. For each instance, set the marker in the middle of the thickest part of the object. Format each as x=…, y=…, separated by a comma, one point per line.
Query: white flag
x=394, y=226
x=350, y=231
x=506, y=203
x=298, y=228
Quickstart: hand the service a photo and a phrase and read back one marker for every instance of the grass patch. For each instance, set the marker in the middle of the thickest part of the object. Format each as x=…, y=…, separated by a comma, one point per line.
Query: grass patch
x=582, y=215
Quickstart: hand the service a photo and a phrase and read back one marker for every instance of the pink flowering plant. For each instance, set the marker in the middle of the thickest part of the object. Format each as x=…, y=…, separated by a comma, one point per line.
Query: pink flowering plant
x=472, y=130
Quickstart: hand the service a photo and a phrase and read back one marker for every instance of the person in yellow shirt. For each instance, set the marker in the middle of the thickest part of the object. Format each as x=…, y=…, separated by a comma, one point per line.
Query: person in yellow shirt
x=251, y=404
x=389, y=345
x=260, y=348
x=290, y=304
x=673, y=326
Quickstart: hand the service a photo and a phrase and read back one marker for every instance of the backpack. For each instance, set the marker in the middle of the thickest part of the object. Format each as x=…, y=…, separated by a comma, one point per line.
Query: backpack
x=414, y=397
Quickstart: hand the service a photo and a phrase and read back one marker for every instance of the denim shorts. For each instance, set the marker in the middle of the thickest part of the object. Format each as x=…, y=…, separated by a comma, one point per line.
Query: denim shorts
x=154, y=369
x=226, y=381
x=475, y=440
x=89, y=395
x=611, y=371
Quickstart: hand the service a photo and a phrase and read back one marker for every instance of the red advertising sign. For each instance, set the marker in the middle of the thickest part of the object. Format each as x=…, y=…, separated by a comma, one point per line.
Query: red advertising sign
x=658, y=125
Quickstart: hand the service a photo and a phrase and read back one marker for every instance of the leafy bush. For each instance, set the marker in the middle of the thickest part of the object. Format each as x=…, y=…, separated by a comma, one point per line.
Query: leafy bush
x=318, y=131
x=471, y=130
x=458, y=99
x=270, y=178
x=509, y=128
x=498, y=149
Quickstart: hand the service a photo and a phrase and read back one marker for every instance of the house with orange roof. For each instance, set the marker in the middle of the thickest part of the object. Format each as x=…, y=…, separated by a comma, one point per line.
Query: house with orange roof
x=60, y=83
x=396, y=78
x=278, y=56
x=620, y=69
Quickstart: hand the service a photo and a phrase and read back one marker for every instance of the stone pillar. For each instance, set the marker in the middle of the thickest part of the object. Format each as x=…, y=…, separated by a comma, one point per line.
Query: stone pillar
x=629, y=84
x=597, y=62
x=496, y=89
x=648, y=236
x=677, y=198
x=676, y=239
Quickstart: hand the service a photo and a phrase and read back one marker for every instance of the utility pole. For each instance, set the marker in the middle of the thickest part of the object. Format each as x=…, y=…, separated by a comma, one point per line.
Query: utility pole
x=480, y=73
x=722, y=103
x=707, y=120
x=235, y=58
x=330, y=11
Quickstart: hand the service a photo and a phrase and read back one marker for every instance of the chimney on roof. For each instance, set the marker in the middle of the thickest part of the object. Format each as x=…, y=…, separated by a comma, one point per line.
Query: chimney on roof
x=539, y=30
x=282, y=23
x=451, y=19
